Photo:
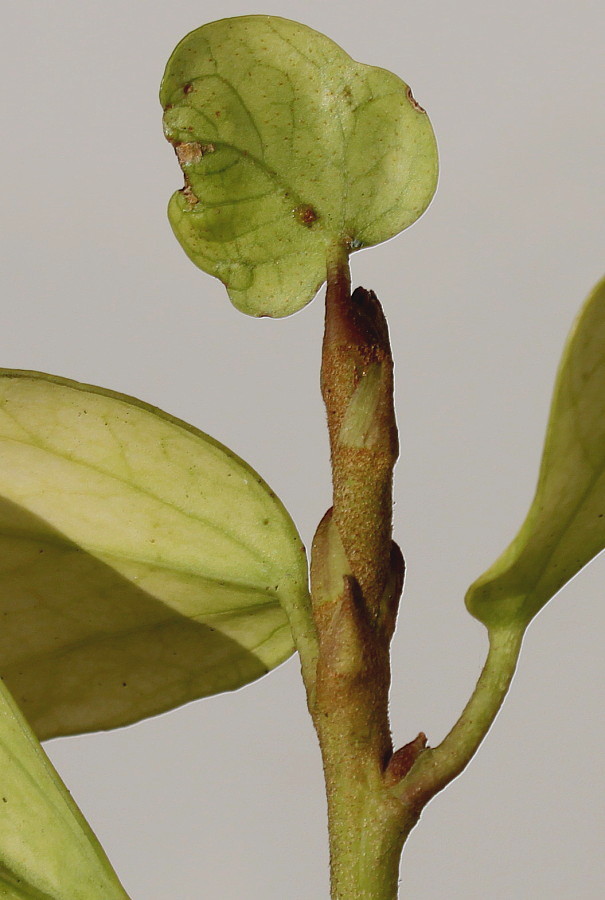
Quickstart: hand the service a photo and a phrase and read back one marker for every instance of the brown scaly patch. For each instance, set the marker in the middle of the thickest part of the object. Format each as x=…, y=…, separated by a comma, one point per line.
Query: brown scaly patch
x=189, y=196
x=189, y=152
x=305, y=214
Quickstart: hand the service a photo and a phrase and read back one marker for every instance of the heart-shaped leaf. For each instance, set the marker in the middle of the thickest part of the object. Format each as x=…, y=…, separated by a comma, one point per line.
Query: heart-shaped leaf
x=565, y=526
x=142, y=564
x=47, y=850
x=288, y=147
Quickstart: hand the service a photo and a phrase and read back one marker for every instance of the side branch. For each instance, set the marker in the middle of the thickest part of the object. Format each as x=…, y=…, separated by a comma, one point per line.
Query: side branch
x=435, y=768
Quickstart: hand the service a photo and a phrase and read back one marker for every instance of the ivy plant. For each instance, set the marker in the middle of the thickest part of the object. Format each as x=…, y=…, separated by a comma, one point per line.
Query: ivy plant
x=144, y=565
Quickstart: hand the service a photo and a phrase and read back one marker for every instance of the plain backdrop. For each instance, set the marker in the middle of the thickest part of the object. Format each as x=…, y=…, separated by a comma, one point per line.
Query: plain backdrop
x=223, y=799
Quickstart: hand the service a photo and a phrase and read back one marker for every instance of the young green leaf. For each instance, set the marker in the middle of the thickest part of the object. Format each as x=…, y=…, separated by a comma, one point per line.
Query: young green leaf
x=288, y=147
x=47, y=850
x=142, y=564
x=565, y=526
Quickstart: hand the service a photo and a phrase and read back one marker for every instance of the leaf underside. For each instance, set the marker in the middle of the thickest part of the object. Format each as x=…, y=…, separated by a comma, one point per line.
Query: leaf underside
x=142, y=564
x=47, y=850
x=288, y=147
x=565, y=526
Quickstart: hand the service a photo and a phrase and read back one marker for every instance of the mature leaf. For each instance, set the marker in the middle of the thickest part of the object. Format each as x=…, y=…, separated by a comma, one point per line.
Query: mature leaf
x=565, y=526
x=142, y=564
x=47, y=850
x=288, y=147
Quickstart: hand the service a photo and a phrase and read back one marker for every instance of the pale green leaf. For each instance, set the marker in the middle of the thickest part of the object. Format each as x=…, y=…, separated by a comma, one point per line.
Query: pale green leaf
x=142, y=564
x=565, y=526
x=47, y=850
x=288, y=147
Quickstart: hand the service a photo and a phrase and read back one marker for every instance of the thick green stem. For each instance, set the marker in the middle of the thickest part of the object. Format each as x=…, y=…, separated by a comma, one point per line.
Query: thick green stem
x=367, y=823
x=367, y=830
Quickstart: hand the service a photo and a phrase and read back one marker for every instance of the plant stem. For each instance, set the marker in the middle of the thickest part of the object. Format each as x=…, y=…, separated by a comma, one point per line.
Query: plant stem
x=435, y=768
x=367, y=829
x=374, y=796
x=357, y=387
x=356, y=581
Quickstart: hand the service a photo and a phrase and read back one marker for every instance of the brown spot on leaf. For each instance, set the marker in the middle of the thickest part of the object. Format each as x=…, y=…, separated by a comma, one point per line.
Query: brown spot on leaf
x=189, y=196
x=187, y=88
x=413, y=101
x=191, y=151
x=305, y=214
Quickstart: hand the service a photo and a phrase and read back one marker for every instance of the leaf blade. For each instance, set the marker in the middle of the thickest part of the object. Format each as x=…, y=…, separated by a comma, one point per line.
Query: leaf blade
x=121, y=526
x=47, y=850
x=288, y=146
x=565, y=526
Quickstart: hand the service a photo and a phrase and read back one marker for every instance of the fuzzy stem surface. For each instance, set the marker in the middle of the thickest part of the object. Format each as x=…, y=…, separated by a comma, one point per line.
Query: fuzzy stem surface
x=356, y=581
x=375, y=796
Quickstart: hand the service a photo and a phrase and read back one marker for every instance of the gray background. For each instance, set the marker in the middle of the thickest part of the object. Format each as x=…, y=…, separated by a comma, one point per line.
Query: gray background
x=223, y=799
